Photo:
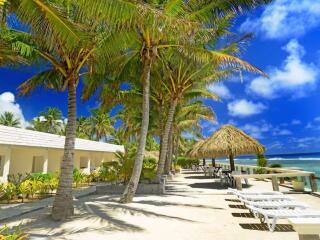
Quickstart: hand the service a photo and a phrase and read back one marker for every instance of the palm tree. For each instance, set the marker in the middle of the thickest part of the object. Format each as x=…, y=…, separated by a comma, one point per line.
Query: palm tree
x=174, y=24
x=71, y=42
x=52, y=120
x=101, y=126
x=8, y=119
x=83, y=128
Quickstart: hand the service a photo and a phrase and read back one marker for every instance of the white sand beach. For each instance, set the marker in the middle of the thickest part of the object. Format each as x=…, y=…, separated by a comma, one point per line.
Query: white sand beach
x=193, y=208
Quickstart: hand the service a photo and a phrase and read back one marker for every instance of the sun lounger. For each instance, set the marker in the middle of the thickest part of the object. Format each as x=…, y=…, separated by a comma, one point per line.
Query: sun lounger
x=270, y=217
x=251, y=192
x=261, y=197
x=277, y=204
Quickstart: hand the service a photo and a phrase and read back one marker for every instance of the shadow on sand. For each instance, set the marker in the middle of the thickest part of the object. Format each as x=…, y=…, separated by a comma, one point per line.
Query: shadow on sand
x=264, y=227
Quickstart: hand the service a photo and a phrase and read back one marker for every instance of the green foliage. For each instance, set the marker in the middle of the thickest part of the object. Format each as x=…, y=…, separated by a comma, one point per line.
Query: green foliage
x=185, y=162
x=275, y=165
x=8, y=119
x=109, y=171
x=9, y=191
x=149, y=169
x=17, y=233
x=261, y=170
x=78, y=177
x=261, y=161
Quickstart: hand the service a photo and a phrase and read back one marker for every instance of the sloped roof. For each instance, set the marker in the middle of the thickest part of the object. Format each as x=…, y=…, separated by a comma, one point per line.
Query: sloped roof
x=229, y=140
x=29, y=138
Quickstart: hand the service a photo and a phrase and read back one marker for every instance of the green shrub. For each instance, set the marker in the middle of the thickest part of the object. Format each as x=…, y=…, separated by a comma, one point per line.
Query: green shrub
x=260, y=170
x=78, y=177
x=9, y=191
x=275, y=165
x=16, y=233
x=185, y=162
x=261, y=161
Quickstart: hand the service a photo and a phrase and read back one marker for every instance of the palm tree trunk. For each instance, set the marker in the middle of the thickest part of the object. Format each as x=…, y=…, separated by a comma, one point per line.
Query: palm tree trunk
x=134, y=180
x=169, y=155
x=63, y=202
x=164, y=149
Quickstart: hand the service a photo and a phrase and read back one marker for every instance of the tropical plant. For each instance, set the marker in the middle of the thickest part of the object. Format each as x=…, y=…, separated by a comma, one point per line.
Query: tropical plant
x=71, y=41
x=261, y=161
x=50, y=121
x=8, y=191
x=101, y=125
x=8, y=119
x=187, y=162
x=78, y=177
x=84, y=128
x=16, y=233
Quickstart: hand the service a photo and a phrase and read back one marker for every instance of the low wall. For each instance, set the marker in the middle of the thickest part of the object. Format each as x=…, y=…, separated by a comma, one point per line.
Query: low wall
x=143, y=188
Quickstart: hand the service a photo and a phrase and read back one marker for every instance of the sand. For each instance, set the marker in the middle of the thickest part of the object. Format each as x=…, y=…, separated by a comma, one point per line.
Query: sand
x=195, y=208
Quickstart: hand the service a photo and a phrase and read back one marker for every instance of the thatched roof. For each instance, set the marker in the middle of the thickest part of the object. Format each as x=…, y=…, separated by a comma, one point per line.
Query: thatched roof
x=195, y=149
x=229, y=140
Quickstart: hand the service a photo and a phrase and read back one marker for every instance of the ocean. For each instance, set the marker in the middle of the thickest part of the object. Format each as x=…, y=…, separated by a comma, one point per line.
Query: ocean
x=306, y=161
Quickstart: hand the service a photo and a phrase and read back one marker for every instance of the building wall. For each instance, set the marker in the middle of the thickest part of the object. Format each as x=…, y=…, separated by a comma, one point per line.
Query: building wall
x=22, y=159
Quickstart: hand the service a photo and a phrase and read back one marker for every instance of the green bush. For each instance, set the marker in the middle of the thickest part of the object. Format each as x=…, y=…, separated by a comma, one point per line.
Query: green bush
x=16, y=233
x=275, y=165
x=185, y=162
x=261, y=161
x=261, y=170
x=9, y=191
x=78, y=177
x=149, y=169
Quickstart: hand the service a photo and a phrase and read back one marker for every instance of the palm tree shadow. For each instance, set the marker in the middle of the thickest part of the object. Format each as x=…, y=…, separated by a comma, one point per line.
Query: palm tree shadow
x=165, y=203
x=137, y=211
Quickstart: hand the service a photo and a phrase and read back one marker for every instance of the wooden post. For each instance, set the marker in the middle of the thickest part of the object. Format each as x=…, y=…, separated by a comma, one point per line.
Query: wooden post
x=308, y=237
x=275, y=184
x=238, y=183
x=203, y=161
x=313, y=183
x=213, y=162
x=232, y=168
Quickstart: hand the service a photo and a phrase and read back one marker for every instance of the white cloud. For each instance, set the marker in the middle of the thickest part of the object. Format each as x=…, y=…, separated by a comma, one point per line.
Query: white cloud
x=295, y=122
x=295, y=76
x=285, y=18
x=282, y=132
x=245, y=108
x=220, y=89
x=314, y=124
x=257, y=130
x=8, y=104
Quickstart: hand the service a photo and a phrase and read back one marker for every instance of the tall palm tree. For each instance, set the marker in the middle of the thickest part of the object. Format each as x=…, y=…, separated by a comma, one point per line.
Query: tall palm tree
x=8, y=119
x=174, y=24
x=71, y=42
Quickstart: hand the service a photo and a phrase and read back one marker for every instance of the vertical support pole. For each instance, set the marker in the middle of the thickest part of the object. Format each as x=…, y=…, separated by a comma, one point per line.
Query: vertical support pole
x=313, y=183
x=7, y=161
x=89, y=165
x=46, y=160
x=238, y=183
x=275, y=184
x=231, y=158
x=213, y=162
x=308, y=237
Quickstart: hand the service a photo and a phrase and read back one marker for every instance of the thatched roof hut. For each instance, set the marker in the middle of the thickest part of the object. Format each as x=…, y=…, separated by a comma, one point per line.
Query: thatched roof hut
x=229, y=141
x=195, y=149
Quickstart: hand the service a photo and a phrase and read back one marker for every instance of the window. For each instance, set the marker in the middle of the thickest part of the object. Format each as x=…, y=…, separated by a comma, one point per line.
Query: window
x=37, y=164
x=83, y=162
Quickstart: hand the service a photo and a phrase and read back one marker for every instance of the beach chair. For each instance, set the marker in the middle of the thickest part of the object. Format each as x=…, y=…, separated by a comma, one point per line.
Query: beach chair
x=261, y=197
x=276, y=204
x=252, y=192
x=270, y=217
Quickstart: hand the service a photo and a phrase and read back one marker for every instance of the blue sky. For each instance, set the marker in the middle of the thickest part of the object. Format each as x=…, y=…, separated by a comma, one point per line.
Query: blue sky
x=282, y=112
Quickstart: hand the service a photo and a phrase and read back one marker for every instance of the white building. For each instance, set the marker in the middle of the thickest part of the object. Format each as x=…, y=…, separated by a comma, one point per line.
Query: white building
x=26, y=151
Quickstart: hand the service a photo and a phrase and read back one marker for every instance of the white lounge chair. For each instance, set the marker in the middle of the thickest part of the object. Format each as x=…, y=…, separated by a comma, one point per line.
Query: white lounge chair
x=270, y=217
x=261, y=197
x=277, y=204
x=252, y=192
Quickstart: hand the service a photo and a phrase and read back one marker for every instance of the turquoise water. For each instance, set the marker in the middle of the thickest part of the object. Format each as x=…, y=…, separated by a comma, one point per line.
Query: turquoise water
x=306, y=161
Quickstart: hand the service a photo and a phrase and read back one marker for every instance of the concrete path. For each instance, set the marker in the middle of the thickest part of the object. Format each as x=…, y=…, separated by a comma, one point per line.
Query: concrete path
x=194, y=208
